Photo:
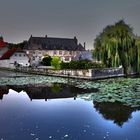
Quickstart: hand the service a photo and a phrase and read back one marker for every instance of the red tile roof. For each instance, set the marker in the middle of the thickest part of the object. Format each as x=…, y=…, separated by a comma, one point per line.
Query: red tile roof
x=2, y=44
x=8, y=54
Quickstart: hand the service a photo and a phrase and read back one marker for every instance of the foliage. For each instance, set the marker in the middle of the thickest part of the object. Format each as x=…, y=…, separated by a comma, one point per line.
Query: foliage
x=46, y=61
x=137, y=53
x=56, y=88
x=81, y=64
x=115, y=46
x=19, y=45
x=64, y=65
x=55, y=62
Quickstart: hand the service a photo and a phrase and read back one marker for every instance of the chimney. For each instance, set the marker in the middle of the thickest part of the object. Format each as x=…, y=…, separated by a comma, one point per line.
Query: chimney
x=75, y=39
x=85, y=45
x=46, y=36
x=1, y=38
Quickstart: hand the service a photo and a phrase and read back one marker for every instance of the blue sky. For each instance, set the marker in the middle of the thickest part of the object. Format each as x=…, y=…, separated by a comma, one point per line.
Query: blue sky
x=64, y=18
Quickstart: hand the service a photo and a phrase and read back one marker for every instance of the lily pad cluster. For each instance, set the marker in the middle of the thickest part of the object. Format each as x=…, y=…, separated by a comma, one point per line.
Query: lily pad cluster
x=123, y=90
x=30, y=80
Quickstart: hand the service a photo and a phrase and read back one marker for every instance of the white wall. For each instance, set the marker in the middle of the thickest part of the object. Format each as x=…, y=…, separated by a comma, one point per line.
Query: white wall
x=6, y=64
x=2, y=51
x=20, y=58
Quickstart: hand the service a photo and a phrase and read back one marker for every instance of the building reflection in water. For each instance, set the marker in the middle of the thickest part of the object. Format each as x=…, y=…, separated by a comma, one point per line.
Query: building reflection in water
x=117, y=112
x=49, y=91
x=3, y=90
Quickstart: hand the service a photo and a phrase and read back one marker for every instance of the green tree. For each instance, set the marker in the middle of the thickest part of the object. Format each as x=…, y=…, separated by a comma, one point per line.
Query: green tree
x=81, y=64
x=56, y=62
x=64, y=65
x=46, y=61
x=137, y=53
x=115, y=45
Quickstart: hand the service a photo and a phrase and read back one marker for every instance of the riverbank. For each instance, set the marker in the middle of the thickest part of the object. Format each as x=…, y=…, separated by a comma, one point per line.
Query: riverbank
x=90, y=74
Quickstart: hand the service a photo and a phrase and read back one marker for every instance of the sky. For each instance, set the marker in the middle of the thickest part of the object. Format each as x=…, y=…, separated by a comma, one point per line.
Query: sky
x=84, y=19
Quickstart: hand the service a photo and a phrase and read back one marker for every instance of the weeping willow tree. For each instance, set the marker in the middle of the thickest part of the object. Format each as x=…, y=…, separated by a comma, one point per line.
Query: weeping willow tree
x=137, y=53
x=116, y=45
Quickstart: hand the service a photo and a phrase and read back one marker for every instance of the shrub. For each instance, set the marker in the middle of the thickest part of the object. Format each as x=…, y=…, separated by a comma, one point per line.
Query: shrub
x=46, y=61
x=56, y=62
x=81, y=64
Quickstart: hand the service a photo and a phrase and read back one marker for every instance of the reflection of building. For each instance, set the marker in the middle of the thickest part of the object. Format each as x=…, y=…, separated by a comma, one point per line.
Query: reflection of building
x=3, y=90
x=66, y=49
x=117, y=112
x=52, y=91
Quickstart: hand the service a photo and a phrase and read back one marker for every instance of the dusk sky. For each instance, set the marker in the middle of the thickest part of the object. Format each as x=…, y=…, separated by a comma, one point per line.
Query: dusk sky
x=64, y=18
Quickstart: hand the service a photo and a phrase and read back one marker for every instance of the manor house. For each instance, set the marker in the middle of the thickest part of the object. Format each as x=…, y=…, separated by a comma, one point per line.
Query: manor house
x=65, y=48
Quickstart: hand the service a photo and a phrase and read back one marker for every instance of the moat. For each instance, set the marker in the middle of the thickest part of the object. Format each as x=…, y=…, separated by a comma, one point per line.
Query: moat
x=34, y=107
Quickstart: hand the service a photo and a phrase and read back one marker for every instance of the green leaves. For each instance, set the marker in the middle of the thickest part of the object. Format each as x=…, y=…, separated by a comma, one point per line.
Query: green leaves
x=81, y=64
x=115, y=44
x=55, y=62
x=46, y=61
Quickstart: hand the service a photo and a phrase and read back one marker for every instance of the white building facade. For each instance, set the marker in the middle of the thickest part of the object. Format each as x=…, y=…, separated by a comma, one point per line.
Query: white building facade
x=20, y=58
x=17, y=59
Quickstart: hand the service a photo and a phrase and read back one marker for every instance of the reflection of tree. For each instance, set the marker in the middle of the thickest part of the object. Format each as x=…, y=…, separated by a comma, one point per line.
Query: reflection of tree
x=48, y=91
x=117, y=112
x=51, y=91
x=56, y=88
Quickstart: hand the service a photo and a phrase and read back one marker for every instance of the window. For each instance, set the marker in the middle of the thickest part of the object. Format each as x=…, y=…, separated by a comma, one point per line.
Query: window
x=60, y=52
x=66, y=58
x=40, y=58
x=19, y=55
x=15, y=54
x=54, y=52
x=65, y=52
x=70, y=52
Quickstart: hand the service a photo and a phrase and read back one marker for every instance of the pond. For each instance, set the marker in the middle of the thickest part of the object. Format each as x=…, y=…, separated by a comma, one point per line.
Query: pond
x=47, y=108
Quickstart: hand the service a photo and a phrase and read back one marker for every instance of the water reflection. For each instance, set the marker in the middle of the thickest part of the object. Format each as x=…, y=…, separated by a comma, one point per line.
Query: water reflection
x=64, y=118
x=47, y=91
x=117, y=112
x=3, y=90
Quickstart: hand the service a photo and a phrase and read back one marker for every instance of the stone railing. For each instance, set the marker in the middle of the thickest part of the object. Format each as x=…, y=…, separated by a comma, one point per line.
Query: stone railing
x=108, y=72
x=65, y=73
x=87, y=74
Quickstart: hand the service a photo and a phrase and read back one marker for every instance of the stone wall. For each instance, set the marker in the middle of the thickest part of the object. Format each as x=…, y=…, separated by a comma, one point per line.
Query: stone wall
x=106, y=73
x=83, y=74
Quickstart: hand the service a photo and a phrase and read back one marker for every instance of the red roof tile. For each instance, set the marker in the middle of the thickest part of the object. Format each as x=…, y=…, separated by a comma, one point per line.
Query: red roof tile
x=2, y=44
x=8, y=54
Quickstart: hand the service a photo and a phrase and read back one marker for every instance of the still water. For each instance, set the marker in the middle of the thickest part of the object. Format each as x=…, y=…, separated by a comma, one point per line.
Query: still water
x=55, y=112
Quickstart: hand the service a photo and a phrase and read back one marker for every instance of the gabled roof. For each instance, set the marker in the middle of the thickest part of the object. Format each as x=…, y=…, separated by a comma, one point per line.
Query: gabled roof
x=8, y=54
x=49, y=43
